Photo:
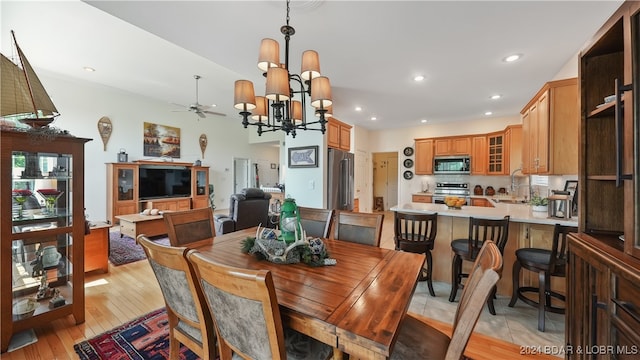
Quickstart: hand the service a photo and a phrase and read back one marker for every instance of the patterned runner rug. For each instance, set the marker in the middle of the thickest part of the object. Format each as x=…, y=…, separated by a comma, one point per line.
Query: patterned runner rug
x=146, y=337
x=124, y=250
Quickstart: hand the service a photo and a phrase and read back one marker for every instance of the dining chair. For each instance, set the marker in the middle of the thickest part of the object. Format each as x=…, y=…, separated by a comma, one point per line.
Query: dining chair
x=417, y=233
x=190, y=226
x=418, y=340
x=246, y=314
x=190, y=321
x=315, y=222
x=480, y=230
x=358, y=227
x=547, y=263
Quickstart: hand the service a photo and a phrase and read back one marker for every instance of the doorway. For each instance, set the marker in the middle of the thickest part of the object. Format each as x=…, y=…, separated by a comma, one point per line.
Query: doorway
x=240, y=174
x=385, y=180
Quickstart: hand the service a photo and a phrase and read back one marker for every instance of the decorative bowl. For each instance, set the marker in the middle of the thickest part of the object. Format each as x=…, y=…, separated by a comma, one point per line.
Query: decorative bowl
x=24, y=308
x=454, y=207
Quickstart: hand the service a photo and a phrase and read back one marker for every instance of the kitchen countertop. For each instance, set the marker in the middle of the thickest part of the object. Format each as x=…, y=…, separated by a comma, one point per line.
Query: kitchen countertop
x=517, y=212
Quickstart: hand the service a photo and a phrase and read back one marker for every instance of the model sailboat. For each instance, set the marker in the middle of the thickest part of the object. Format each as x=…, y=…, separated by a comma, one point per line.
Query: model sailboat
x=23, y=95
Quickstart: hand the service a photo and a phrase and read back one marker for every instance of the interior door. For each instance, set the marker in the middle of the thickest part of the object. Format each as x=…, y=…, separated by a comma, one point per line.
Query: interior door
x=240, y=174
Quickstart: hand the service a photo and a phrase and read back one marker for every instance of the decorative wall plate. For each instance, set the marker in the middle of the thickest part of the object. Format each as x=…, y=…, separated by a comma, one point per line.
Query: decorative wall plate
x=105, y=128
x=203, y=143
x=408, y=151
x=408, y=175
x=408, y=163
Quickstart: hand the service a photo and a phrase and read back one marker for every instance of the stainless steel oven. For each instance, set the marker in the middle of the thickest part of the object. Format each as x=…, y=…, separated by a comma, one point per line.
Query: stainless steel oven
x=444, y=189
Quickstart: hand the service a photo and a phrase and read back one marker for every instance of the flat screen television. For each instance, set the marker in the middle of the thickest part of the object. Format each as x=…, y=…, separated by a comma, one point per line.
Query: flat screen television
x=160, y=181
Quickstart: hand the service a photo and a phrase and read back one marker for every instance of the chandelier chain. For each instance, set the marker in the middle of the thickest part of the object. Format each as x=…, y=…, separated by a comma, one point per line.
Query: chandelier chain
x=288, y=9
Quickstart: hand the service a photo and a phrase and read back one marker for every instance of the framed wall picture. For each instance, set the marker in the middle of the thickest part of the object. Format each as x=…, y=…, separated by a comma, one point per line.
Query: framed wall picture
x=305, y=156
x=161, y=140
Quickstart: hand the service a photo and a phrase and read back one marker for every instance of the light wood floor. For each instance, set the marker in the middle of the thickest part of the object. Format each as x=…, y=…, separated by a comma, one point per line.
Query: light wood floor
x=131, y=290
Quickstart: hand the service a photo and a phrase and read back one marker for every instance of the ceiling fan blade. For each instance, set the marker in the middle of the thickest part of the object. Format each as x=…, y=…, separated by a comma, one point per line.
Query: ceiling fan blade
x=176, y=104
x=215, y=113
x=201, y=114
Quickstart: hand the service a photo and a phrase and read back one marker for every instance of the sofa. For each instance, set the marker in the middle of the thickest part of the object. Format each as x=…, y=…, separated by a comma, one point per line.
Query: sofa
x=247, y=209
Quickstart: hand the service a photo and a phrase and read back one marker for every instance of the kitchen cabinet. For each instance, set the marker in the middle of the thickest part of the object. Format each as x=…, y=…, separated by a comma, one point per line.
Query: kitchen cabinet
x=422, y=198
x=479, y=155
x=513, y=148
x=604, y=269
x=42, y=230
x=550, y=130
x=459, y=145
x=495, y=153
x=338, y=134
x=481, y=202
x=424, y=156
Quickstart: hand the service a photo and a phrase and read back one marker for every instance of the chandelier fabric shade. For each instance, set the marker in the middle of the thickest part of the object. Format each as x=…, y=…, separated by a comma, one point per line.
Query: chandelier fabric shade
x=320, y=92
x=310, y=65
x=277, y=109
x=244, y=97
x=269, y=54
x=296, y=111
x=277, y=84
x=260, y=113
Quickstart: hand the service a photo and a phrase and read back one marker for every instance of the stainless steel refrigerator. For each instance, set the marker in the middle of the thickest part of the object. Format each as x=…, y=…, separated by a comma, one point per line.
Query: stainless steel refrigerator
x=340, y=180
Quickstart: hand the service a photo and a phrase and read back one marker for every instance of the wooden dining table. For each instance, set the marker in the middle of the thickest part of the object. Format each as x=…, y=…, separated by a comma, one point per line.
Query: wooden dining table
x=356, y=306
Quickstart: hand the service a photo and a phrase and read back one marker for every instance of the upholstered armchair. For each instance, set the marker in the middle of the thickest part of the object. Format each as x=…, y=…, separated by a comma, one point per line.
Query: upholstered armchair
x=247, y=209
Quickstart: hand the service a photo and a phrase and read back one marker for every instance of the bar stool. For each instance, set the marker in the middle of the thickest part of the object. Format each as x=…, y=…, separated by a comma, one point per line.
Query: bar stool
x=416, y=233
x=467, y=249
x=547, y=263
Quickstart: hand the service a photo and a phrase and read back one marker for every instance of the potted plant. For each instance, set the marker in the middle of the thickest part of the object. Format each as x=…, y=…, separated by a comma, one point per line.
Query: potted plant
x=539, y=203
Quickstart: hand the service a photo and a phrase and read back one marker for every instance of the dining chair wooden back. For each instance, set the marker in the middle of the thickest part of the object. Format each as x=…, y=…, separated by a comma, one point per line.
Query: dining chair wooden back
x=467, y=249
x=191, y=226
x=246, y=315
x=190, y=321
x=315, y=222
x=417, y=233
x=358, y=227
x=418, y=340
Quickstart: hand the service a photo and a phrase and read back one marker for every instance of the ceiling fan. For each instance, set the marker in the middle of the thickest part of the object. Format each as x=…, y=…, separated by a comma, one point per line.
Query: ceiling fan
x=198, y=108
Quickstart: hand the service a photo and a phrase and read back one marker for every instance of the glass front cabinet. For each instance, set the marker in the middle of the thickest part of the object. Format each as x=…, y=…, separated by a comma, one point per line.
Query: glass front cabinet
x=200, y=183
x=43, y=227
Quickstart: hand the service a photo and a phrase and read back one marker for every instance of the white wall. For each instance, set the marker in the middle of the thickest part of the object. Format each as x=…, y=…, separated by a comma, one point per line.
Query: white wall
x=82, y=104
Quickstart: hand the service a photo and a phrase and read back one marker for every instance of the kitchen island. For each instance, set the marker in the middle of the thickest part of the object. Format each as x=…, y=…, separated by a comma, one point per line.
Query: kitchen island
x=526, y=229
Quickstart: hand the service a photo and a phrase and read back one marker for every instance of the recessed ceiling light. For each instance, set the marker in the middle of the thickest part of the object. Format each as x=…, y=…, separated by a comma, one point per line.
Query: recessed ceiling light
x=496, y=97
x=512, y=58
x=424, y=121
x=89, y=69
x=488, y=113
x=358, y=108
x=418, y=78
x=373, y=118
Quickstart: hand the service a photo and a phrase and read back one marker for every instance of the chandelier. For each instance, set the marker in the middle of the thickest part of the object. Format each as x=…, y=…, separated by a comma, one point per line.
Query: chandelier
x=278, y=110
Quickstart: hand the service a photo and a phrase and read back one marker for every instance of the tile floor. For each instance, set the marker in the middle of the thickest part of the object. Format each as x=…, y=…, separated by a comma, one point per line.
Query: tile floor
x=518, y=324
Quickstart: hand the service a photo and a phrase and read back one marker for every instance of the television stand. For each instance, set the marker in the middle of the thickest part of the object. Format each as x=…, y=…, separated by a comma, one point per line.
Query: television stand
x=167, y=204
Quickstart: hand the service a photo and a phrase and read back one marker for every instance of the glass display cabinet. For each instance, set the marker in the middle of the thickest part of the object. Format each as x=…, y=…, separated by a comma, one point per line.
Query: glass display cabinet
x=200, y=183
x=42, y=243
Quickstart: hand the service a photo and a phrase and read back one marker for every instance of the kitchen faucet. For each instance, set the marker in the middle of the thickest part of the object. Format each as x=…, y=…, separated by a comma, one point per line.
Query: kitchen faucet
x=514, y=187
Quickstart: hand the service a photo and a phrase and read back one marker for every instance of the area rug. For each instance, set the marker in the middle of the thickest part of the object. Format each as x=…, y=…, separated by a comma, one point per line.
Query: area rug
x=146, y=337
x=124, y=249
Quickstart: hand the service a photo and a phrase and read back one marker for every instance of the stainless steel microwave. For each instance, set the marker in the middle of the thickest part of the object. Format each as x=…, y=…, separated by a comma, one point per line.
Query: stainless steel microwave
x=457, y=164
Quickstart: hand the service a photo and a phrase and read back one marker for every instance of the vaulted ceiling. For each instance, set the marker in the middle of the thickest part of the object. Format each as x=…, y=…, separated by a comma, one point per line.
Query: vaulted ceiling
x=371, y=50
